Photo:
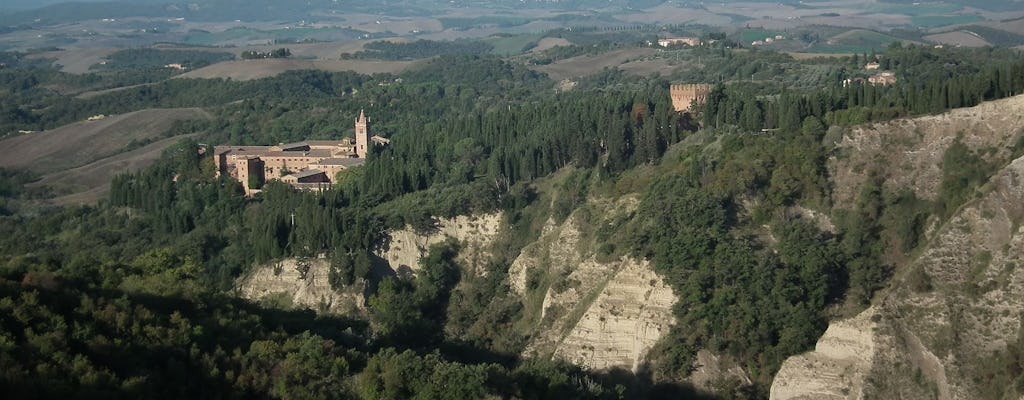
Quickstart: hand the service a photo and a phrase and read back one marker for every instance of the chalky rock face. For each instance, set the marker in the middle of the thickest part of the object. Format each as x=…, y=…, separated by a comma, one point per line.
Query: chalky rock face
x=305, y=282
x=302, y=282
x=910, y=151
x=597, y=314
x=628, y=317
x=474, y=234
x=946, y=334
x=837, y=366
x=950, y=310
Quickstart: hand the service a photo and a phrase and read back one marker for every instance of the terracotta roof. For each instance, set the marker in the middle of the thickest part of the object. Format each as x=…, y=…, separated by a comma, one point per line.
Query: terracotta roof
x=306, y=173
x=344, y=162
x=241, y=150
x=300, y=153
x=328, y=142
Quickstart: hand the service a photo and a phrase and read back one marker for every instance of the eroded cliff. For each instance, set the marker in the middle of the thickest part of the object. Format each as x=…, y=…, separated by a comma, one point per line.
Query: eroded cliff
x=946, y=324
x=597, y=313
x=304, y=282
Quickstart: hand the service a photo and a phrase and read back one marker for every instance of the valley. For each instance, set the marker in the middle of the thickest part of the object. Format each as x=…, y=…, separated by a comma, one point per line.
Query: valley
x=516, y=200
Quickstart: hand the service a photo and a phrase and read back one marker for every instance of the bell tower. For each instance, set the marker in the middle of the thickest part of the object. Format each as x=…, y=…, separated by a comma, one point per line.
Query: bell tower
x=362, y=135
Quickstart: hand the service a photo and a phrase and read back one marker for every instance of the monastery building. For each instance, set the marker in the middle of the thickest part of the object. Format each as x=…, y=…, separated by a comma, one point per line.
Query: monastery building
x=308, y=165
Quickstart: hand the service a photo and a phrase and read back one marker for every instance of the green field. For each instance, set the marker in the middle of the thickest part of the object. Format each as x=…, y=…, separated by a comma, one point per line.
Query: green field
x=750, y=35
x=855, y=41
x=512, y=45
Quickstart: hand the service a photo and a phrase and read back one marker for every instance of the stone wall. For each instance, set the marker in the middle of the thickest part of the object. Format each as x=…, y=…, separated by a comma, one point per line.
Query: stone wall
x=685, y=96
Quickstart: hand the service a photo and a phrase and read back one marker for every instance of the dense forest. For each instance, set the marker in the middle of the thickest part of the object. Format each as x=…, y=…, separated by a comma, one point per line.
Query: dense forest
x=93, y=295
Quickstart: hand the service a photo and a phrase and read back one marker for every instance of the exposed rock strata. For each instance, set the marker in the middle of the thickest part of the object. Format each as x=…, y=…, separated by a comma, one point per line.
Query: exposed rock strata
x=909, y=151
x=945, y=317
x=597, y=314
x=282, y=278
x=313, y=291
x=837, y=366
x=475, y=235
x=632, y=312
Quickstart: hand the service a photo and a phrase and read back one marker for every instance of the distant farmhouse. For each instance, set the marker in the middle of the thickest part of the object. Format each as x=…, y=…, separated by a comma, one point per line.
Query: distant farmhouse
x=308, y=165
x=880, y=78
x=689, y=41
x=884, y=78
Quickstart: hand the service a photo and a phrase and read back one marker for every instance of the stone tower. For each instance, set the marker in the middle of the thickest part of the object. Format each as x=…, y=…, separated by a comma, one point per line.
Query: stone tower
x=685, y=96
x=362, y=135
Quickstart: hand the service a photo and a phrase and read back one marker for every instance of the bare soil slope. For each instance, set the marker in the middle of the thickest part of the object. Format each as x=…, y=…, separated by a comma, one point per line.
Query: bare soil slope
x=91, y=182
x=958, y=38
x=244, y=70
x=587, y=65
x=910, y=150
x=550, y=42
x=952, y=330
x=934, y=332
x=81, y=143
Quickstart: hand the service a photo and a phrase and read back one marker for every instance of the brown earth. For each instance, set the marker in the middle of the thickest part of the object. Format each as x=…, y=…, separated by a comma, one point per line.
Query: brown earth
x=78, y=160
x=659, y=66
x=91, y=182
x=80, y=143
x=243, y=70
x=77, y=61
x=958, y=38
x=550, y=42
x=93, y=93
x=587, y=65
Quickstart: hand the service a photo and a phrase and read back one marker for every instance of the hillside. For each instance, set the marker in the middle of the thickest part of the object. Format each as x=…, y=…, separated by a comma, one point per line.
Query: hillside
x=87, y=141
x=256, y=69
x=511, y=240
x=949, y=323
x=84, y=156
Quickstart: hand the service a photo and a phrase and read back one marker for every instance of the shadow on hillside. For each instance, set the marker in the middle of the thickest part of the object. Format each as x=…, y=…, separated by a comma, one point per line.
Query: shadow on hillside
x=641, y=386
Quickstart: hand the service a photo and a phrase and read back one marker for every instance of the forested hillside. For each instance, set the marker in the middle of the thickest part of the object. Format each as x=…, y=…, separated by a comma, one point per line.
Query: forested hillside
x=132, y=297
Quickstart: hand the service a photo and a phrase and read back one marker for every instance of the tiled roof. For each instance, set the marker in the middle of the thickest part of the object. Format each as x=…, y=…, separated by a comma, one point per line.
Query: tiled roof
x=306, y=173
x=345, y=162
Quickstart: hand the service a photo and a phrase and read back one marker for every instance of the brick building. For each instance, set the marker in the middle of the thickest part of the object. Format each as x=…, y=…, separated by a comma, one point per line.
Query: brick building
x=308, y=165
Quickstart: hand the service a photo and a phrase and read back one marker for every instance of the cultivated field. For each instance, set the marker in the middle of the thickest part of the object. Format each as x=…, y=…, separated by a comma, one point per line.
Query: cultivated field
x=255, y=69
x=550, y=42
x=587, y=65
x=91, y=182
x=658, y=66
x=84, y=156
x=958, y=38
x=80, y=143
x=77, y=61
